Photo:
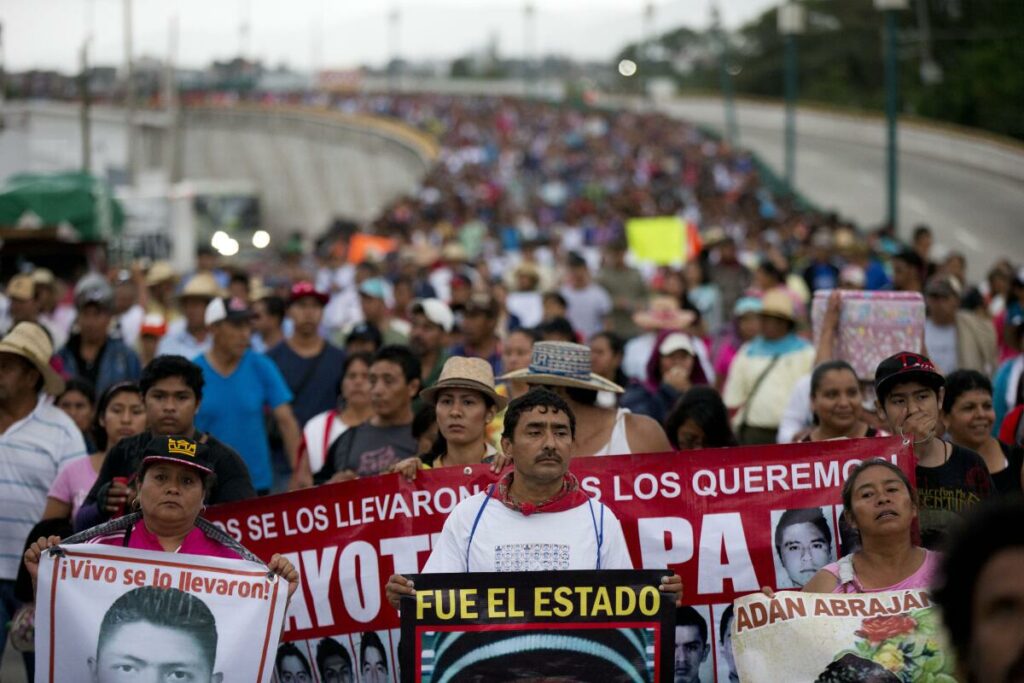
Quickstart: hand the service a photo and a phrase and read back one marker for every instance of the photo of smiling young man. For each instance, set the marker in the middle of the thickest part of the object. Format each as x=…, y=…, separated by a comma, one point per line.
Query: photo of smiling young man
x=803, y=539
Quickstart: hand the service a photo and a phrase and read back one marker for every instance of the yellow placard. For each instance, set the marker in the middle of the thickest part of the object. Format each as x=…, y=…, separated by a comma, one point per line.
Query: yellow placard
x=660, y=240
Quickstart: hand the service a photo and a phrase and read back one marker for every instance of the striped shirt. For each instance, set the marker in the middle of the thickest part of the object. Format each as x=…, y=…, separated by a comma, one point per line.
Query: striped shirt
x=31, y=451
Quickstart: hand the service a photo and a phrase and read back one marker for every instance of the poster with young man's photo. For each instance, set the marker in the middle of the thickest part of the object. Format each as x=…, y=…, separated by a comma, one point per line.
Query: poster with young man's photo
x=599, y=626
x=804, y=541
x=104, y=612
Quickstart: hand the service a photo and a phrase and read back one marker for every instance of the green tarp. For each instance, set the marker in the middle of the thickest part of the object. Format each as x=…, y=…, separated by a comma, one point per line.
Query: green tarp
x=80, y=199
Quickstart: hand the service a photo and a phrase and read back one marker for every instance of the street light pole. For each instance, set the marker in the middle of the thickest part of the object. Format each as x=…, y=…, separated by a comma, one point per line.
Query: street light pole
x=892, y=93
x=731, y=131
x=129, y=93
x=791, y=23
x=528, y=47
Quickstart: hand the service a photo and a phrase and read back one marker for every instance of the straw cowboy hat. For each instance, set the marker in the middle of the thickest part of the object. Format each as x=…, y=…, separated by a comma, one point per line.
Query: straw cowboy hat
x=664, y=313
x=777, y=304
x=160, y=271
x=460, y=372
x=201, y=286
x=562, y=364
x=31, y=342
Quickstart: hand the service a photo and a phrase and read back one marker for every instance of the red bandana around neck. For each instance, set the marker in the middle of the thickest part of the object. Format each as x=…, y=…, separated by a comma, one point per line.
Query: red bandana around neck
x=570, y=496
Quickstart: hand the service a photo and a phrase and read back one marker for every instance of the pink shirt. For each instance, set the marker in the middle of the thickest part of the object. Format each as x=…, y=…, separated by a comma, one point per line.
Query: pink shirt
x=921, y=579
x=196, y=543
x=73, y=482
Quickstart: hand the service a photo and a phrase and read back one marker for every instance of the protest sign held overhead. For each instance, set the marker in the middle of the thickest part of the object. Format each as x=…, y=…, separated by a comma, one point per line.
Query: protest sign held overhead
x=104, y=610
x=585, y=625
x=826, y=638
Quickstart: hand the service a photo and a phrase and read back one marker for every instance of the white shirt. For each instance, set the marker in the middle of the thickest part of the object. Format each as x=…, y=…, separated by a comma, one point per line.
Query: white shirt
x=505, y=540
x=587, y=308
x=317, y=440
x=798, y=414
x=31, y=451
x=941, y=342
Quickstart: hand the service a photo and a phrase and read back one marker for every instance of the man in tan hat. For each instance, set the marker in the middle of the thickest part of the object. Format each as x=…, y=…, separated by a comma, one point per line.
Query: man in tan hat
x=188, y=335
x=161, y=279
x=765, y=369
x=21, y=297
x=54, y=315
x=36, y=438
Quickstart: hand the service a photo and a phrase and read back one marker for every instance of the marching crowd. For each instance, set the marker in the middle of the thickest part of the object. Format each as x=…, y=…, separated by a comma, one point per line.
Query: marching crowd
x=507, y=322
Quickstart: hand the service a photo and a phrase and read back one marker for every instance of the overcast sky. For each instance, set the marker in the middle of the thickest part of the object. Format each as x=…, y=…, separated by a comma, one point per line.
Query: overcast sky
x=336, y=33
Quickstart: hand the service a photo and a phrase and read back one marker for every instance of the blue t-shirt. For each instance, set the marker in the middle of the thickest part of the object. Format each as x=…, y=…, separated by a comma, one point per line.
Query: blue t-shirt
x=314, y=382
x=232, y=410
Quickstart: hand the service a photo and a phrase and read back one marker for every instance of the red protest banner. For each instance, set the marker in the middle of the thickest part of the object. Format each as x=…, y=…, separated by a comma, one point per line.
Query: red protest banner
x=712, y=516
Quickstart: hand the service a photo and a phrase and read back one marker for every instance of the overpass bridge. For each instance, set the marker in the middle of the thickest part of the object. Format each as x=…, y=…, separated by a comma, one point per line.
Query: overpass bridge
x=309, y=165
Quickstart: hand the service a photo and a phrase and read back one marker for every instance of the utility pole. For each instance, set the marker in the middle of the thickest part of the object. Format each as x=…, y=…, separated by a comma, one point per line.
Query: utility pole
x=646, y=56
x=174, y=133
x=84, y=119
x=791, y=24
x=3, y=81
x=129, y=93
x=394, y=25
x=731, y=130
x=889, y=8
x=529, y=12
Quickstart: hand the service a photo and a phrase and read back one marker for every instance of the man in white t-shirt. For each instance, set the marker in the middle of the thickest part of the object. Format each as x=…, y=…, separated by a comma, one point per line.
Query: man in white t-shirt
x=536, y=518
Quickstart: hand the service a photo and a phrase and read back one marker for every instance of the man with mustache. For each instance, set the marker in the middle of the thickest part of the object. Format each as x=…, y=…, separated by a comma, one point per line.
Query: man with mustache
x=536, y=518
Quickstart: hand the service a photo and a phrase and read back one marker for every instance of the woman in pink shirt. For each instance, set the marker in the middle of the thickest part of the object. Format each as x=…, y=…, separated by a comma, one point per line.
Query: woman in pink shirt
x=172, y=483
x=882, y=506
x=120, y=413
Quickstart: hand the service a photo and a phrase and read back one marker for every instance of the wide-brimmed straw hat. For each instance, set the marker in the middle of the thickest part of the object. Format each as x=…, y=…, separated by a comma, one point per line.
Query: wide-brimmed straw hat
x=461, y=372
x=776, y=303
x=201, y=286
x=664, y=313
x=160, y=271
x=562, y=364
x=31, y=342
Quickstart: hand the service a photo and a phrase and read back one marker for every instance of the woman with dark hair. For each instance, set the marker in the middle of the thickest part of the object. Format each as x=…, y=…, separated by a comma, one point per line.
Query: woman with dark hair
x=120, y=414
x=465, y=401
x=882, y=507
x=968, y=413
x=836, y=400
x=78, y=400
x=699, y=420
x=353, y=409
x=607, y=349
x=671, y=370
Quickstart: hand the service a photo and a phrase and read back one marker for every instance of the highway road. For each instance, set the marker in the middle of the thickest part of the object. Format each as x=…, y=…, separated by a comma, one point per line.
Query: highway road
x=978, y=213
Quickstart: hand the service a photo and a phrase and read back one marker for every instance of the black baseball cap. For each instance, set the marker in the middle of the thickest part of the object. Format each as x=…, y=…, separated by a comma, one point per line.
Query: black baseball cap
x=365, y=332
x=903, y=367
x=180, y=450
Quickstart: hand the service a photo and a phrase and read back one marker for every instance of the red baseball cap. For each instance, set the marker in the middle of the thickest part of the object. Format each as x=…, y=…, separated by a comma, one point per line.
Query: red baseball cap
x=304, y=288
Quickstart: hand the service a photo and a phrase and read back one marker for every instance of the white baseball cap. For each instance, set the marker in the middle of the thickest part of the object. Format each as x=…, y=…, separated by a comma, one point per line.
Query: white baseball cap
x=677, y=341
x=436, y=312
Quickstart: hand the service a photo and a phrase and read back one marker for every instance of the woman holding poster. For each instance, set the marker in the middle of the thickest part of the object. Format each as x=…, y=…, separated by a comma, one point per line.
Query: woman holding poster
x=173, y=481
x=882, y=506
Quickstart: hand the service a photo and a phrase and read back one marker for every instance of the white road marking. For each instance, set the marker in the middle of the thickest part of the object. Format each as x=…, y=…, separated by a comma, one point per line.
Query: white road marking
x=916, y=203
x=964, y=237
